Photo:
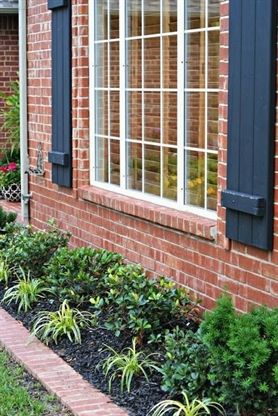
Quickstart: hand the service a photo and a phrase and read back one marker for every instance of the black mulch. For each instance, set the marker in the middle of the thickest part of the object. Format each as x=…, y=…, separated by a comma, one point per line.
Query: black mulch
x=87, y=360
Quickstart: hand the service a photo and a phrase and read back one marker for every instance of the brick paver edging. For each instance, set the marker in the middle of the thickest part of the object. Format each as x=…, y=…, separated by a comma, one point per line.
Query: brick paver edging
x=53, y=372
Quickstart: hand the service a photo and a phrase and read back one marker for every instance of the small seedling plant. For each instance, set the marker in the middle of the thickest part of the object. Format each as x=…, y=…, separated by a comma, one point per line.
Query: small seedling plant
x=66, y=321
x=127, y=364
x=25, y=292
x=186, y=407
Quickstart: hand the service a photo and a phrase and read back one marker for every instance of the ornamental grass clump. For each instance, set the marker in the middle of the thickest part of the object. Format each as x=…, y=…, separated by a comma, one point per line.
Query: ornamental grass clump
x=25, y=292
x=127, y=364
x=66, y=321
x=186, y=407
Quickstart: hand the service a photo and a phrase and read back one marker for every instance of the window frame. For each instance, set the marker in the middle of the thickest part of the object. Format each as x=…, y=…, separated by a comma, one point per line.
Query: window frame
x=180, y=204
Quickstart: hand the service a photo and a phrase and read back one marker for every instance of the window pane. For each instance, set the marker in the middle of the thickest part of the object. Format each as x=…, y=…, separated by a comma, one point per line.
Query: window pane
x=101, y=121
x=101, y=16
x=134, y=19
x=152, y=63
x=213, y=121
x=134, y=59
x=101, y=159
x=152, y=170
x=115, y=162
x=134, y=121
x=101, y=62
x=213, y=12
x=195, y=58
x=114, y=64
x=170, y=118
x=114, y=19
x=170, y=173
x=194, y=185
x=114, y=113
x=134, y=174
x=195, y=14
x=152, y=116
x=212, y=181
x=213, y=59
x=169, y=15
x=170, y=61
x=151, y=17
x=195, y=119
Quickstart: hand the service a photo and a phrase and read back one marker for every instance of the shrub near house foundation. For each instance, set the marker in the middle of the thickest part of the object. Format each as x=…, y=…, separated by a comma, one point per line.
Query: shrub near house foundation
x=230, y=358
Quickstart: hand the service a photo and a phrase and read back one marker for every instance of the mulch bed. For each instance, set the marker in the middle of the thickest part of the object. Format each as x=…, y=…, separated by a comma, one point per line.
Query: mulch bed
x=87, y=359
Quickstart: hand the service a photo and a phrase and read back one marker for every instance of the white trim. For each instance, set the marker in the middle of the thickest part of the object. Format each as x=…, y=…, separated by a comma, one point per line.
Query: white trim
x=180, y=107
x=123, y=106
x=92, y=89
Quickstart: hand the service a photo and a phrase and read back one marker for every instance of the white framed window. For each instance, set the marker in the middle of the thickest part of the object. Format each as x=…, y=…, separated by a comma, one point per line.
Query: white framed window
x=154, y=100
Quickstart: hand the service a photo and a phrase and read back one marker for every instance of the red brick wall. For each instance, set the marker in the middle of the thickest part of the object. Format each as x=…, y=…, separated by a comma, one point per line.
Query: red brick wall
x=176, y=244
x=8, y=60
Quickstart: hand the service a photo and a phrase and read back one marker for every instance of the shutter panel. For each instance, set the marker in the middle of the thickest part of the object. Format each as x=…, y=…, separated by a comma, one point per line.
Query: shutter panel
x=61, y=154
x=251, y=122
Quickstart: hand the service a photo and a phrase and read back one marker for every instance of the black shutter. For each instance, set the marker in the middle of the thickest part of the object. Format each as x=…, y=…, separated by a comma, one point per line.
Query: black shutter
x=251, y=122
x=61, y=154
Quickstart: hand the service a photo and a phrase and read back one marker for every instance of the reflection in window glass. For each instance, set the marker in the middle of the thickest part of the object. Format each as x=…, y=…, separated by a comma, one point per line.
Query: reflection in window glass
x=156, y=99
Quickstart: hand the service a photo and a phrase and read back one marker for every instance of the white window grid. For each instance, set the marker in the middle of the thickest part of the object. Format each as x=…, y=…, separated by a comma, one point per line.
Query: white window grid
x=181, y=89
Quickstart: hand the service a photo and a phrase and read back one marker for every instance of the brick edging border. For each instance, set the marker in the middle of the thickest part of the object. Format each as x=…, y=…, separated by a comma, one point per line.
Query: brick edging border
x=80, y=397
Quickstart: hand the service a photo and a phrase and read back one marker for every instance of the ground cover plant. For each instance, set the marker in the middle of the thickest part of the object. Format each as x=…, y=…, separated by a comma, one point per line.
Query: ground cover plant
x=147, y=334
x=6, y=218
x=20, y=395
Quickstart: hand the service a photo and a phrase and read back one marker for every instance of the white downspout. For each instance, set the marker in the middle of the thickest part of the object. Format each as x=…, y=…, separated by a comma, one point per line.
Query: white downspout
x=23, y=110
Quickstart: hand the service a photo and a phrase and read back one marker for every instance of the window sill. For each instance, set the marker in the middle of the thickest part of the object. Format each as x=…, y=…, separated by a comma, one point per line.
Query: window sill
x=171, y=218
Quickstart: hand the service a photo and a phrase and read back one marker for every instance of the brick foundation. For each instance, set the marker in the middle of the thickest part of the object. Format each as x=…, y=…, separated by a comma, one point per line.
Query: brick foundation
x=179, y=246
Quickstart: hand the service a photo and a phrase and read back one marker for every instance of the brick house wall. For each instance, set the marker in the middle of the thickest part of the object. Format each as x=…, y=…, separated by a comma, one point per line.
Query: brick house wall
x=190, y=249
x=8, y=60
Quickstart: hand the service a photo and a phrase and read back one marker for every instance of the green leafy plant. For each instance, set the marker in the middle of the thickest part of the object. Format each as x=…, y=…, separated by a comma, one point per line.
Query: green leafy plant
x=10, y=114
x=66, y=321
x=186, y=407
x=26, y=292
x=31, y=250
x=142, y=306
x=127, y=364
x=243, y=356
x=186, y=366
x=6, y=218
x=76, y=273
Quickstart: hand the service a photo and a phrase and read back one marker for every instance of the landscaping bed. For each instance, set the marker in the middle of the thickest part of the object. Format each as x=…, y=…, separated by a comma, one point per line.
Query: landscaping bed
x=139, y=340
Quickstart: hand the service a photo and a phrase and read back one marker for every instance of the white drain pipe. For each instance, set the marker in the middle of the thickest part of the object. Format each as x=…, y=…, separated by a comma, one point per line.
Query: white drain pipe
x=23, y=110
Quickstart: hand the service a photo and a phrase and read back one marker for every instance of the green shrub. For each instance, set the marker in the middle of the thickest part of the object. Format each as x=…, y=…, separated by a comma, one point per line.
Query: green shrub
x=31, y=250
x=243, y=352
x=139, y=305
x=6, y=218
x=75, y=274
x=186, y=366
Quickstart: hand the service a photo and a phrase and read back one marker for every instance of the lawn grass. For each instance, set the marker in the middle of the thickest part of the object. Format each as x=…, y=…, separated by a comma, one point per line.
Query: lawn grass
x=20, y=395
